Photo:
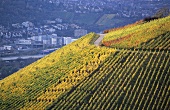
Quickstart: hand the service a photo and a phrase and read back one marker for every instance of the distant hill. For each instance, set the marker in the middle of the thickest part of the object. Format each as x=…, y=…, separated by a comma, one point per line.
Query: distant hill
x=132, y=73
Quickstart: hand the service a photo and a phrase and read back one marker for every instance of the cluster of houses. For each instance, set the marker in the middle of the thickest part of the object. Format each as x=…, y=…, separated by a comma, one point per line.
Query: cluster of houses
x=50, y=26
x=40, y=41
x=79, y=6
x=123, y=8
x=26, y=35
x=6, y=47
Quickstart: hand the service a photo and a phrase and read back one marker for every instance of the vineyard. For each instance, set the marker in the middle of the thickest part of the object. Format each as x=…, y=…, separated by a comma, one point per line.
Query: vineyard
x=123, y=27
x=161, y=42
x=132, y=74
x=134, y=36
x=42, y=82
x=126, y=80
x=106, y=19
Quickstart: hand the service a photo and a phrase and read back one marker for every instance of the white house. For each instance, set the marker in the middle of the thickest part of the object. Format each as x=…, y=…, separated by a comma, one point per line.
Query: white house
x=46, y=41
x=24, y=42
x=37, y=38
x=7, y=47
x=73, y=40
x=54, y=41
x=59, y=20
x=67, y=40
x=51, y=30
x=27, y=24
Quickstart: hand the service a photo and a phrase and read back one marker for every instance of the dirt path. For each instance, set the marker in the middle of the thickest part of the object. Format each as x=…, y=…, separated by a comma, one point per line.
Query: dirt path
x=97, y=42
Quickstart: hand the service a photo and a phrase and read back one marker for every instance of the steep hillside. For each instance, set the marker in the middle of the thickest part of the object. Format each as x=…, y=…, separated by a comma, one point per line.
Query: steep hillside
x=124, y=27
x=42, y=82
x=84, y=76
x=135, y=36
x=131, y=80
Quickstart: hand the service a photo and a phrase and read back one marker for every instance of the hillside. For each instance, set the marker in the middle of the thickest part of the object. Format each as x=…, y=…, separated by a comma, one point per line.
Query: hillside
x=136, y=36
x=39, y=11
x=84, y=76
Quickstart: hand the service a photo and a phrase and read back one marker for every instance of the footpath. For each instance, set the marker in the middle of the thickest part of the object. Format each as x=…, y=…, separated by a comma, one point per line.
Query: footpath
x=97, y=42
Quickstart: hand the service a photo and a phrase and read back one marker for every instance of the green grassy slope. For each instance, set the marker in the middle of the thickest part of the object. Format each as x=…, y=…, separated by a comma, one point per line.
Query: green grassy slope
x=83, y=76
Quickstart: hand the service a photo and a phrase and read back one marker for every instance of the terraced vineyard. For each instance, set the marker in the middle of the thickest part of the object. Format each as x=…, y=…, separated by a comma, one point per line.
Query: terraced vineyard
x=161, y=42
x=126, y=80
x=84, y=76
x=134, y=36
x=42, y=82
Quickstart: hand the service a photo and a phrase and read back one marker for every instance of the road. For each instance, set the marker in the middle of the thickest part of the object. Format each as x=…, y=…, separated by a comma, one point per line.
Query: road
x=21, y=57
x=97, y=42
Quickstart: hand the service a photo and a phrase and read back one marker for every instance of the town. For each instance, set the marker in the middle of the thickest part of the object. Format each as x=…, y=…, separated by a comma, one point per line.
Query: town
x=26, y=37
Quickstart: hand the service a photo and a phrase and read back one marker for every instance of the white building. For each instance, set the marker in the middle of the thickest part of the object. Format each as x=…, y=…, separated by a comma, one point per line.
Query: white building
x=73, y=40
x=28, y=24
x=60, y=41
x=51, y=30
x=51, y=22
x=54, y=35
x=67, y=40
x=24, y=42
x=17, y=25
x=59, y=20
x=37, y=38
x=54, y=41
x=46, y=41
x=7, y=47
x=1, y=34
